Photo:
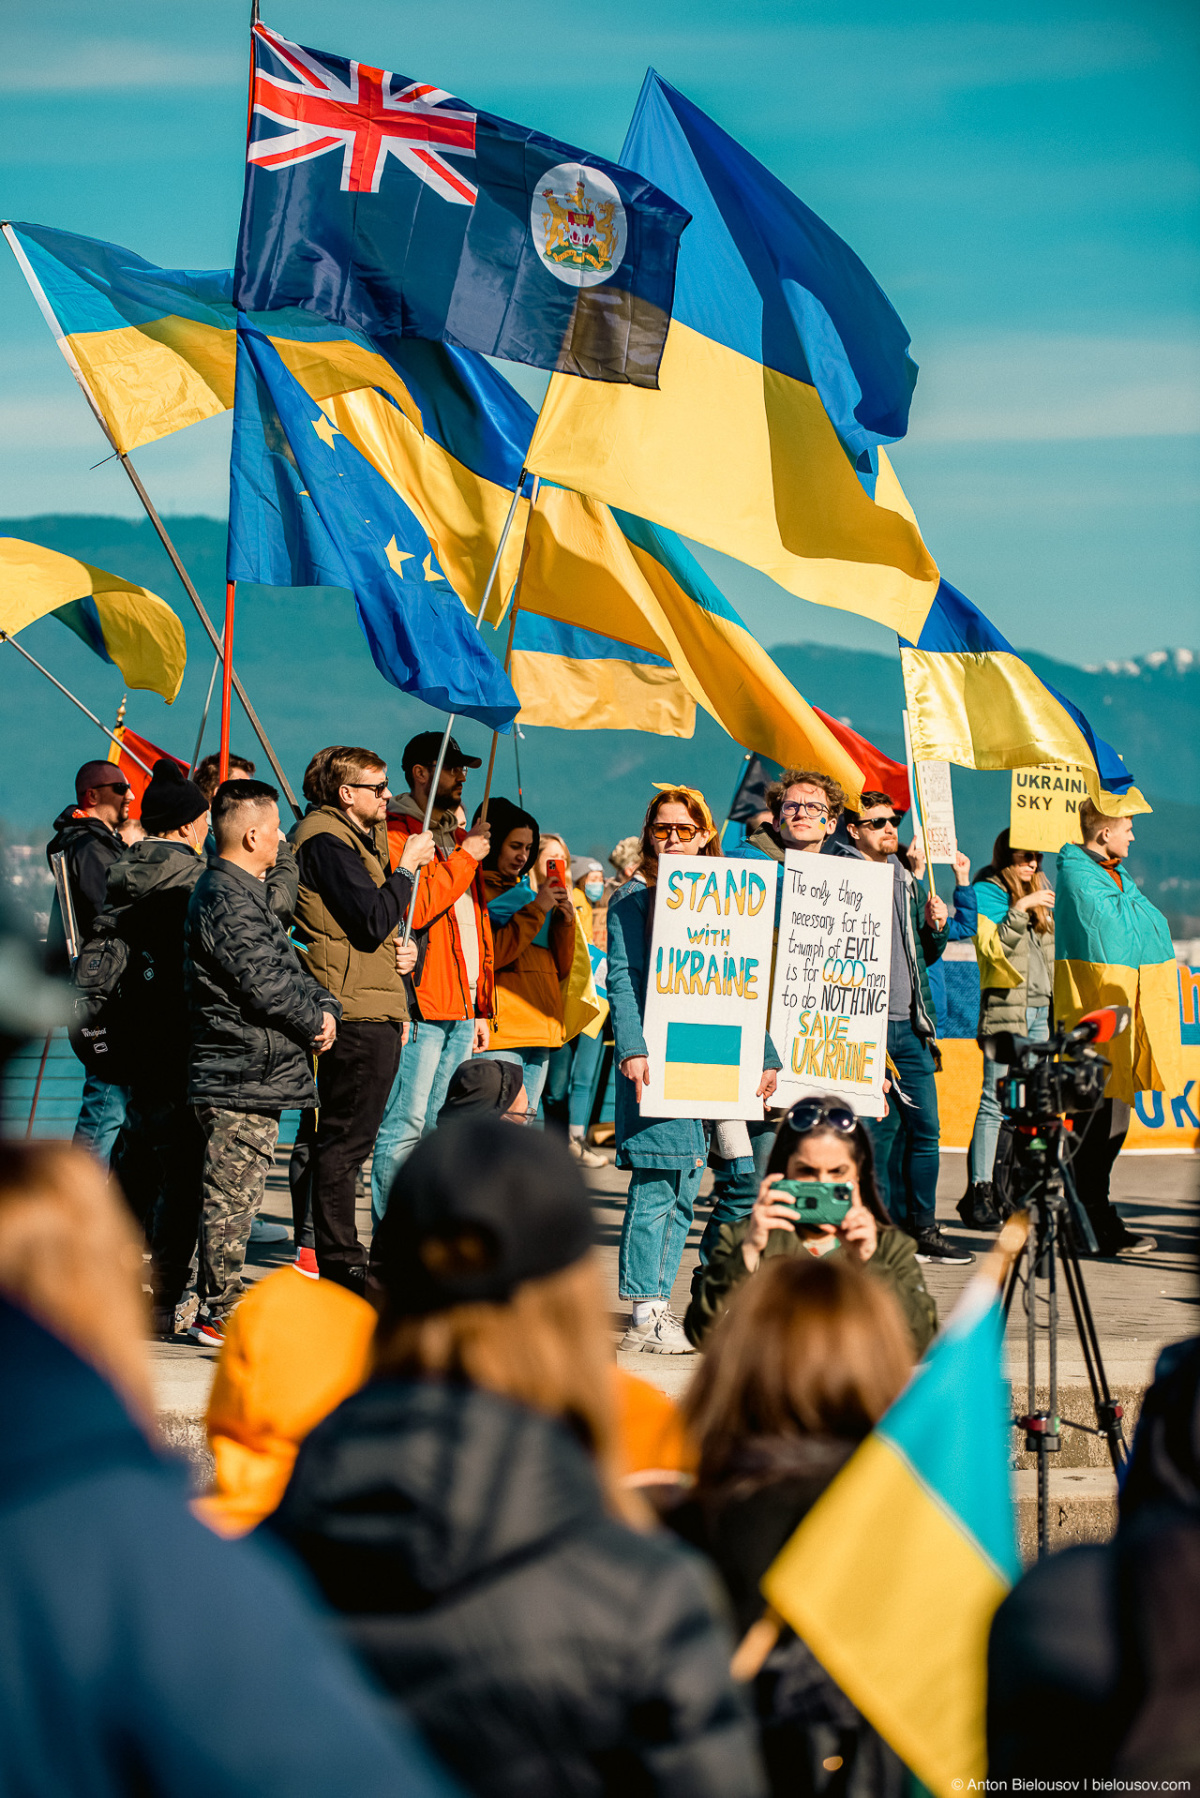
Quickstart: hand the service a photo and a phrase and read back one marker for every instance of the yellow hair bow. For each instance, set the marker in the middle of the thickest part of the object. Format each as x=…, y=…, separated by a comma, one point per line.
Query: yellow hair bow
x=674, y=786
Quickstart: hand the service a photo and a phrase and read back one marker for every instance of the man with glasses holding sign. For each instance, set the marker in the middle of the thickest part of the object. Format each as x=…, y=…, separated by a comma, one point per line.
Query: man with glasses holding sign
x=907, y=1139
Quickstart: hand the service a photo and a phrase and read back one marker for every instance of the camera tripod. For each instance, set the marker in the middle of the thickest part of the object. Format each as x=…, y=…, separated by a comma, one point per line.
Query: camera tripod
x=1056, y=1218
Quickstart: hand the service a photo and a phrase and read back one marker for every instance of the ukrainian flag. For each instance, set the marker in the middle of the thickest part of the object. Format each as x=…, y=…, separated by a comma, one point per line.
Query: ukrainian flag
x=119, y=621
x=785, y=370
x=893, y=1577
x=1112, y=947
x=576, y=680
x=703, y=1061
x=973, y=701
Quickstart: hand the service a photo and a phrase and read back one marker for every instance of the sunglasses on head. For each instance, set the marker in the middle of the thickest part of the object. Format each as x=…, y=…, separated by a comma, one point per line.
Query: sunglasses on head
x=806, y=1114
x=662, y=833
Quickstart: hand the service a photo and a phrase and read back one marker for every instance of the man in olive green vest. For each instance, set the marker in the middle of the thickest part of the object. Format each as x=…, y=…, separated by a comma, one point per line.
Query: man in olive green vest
x=349, y=918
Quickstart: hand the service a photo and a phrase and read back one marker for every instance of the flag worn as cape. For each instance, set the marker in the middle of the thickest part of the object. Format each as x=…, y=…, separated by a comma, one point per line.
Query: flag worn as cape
x=136, y=775
x=973, y=701
x=385, y=203
x=307, y=509
x=893, y=1577
x=785, y=371
x=119, y=621
x=1112, y=947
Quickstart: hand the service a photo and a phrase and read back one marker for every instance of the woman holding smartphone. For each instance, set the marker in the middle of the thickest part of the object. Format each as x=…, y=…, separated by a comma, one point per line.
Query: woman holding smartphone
x=533, y=938
x=820, y=1142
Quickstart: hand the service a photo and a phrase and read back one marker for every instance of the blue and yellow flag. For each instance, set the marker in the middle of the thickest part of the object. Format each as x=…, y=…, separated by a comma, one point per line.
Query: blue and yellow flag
x=785, y=371
x=1113, y=947
x=577, y=680
x=893, y=1577
x=973, y=701
x=121, y=622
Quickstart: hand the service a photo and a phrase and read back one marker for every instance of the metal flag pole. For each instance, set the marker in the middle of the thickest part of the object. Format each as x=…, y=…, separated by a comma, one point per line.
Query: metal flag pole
x=48, y=313
x=212, y=681
x=514, y=606
x=441, y=754
x=5, y=637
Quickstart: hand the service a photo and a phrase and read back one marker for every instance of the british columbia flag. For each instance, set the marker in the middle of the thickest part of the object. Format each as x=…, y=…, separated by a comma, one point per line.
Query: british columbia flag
x=386, y=204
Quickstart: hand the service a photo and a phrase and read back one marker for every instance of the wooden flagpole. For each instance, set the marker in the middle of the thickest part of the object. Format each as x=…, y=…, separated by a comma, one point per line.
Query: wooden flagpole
x=226, y=676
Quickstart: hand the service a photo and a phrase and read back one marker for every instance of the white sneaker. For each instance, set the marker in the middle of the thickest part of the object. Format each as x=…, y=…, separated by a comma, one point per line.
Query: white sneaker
x=262, y=1231
x=661, y=1334
x=584, y=1156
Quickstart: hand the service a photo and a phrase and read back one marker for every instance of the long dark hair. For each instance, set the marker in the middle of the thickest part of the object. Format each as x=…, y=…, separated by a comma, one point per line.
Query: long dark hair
x=1002, y=871
x=861, y=1153
x=505, y=817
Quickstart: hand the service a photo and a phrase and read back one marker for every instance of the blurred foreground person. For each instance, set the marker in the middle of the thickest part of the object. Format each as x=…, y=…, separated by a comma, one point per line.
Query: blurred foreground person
x=1094, y=1659
x=819, y=1138
x=809, y=1356
x=102, y=1692
x=464, y=1510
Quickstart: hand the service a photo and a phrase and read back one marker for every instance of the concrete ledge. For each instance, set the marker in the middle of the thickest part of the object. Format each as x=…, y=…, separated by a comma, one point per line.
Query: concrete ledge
x=1083, y=1508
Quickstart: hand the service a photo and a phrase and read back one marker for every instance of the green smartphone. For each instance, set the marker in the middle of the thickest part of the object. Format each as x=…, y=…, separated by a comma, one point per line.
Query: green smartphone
x=816, y=1201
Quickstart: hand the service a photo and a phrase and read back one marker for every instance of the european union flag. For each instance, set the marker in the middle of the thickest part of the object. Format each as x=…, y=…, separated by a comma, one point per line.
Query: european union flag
x=386, y=204
x=307, y=509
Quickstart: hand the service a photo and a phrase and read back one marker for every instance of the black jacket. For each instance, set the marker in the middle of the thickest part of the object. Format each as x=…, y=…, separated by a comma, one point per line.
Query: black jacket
x=542, y=1647
x=252, y=1009
x=1094, y=1657
x=805, y=1719
x=101, y=1691
x=91, y=848
x=149, y=887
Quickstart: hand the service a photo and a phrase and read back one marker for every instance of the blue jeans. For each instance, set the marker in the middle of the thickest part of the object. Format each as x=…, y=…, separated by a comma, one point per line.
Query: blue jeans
x=736, y=1184
x=101, y=1114
x=658, y=1216
x=906, y=1140
x=982, y=1157
x=533, y=1064
x=429, y=1061
x=585, y=1069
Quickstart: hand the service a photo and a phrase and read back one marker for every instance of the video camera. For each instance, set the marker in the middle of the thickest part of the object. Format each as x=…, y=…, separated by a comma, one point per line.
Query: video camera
x=1062, y=1076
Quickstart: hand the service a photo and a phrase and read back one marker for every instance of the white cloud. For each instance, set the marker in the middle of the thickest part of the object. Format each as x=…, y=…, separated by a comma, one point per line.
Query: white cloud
x=113, y=64
x=1043, y=387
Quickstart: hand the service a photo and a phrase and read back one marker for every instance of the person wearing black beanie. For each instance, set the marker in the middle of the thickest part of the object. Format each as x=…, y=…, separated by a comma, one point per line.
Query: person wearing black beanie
x=159, y=1153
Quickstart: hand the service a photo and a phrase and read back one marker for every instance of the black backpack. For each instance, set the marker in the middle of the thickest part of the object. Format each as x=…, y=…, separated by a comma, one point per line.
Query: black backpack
x=100, y=1026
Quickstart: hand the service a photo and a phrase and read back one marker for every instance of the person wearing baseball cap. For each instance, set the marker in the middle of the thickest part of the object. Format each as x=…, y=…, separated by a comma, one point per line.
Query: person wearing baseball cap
x=464, y=1510
x=454, y=979
x=160, y=1151
x=86, y=835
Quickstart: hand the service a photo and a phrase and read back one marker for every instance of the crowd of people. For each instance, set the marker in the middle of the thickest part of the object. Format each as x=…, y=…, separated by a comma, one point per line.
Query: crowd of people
x=451, y=1545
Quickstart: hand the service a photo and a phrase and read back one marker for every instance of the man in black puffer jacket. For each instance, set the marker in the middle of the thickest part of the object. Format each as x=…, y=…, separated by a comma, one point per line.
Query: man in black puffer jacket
x=257, y=1019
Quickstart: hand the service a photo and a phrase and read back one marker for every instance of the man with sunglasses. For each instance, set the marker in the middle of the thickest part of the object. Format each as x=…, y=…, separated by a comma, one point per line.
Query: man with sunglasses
x=907, y=1140
x=86, y=833
x=350, y=914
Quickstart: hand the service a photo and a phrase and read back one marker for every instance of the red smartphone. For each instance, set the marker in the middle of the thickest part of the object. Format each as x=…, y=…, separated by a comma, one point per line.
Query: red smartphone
x=556, y=871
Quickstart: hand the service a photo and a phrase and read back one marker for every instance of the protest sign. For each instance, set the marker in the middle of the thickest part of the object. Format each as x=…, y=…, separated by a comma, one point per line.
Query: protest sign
x=709, y=987
x=937, y=811
x=829, y=1009
x=1045, y=807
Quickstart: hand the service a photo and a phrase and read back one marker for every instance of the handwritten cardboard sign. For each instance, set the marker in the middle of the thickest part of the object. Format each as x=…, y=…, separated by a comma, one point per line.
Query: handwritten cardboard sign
x=829, y=1009
x=1045, y=807
x=937, y=811
x=709, y=987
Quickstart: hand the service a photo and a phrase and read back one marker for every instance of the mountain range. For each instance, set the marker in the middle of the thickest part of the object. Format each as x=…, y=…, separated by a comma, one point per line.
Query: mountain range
x=307, y=670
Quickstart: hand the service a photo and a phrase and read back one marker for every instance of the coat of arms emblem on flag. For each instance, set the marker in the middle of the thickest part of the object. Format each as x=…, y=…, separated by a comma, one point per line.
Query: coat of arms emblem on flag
x=578, y=224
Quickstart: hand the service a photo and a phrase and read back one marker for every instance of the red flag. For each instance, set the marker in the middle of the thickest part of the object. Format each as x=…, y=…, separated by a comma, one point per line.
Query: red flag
x=881, y=774
x=137, y=776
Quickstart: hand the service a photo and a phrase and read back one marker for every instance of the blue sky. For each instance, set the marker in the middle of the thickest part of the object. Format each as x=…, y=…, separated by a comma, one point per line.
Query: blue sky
x=1024, y=181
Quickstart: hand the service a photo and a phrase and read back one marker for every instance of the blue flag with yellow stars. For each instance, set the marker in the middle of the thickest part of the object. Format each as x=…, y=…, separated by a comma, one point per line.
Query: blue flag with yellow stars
x=306, y=509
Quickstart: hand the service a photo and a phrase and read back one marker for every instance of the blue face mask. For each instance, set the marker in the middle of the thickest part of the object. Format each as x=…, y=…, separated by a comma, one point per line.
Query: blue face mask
x=593, y=890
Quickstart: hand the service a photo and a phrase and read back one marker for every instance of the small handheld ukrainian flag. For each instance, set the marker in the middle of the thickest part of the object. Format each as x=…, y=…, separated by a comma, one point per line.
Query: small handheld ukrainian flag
x=893, y=1577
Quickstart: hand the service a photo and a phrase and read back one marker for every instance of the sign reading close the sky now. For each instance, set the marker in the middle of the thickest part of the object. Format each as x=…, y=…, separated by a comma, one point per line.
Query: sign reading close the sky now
x=1045, y=807
x=937, y=811
x=829, y=1010
x=708, y=991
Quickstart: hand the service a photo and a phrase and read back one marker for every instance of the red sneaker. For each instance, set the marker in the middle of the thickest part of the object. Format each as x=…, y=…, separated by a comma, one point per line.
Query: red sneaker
x=209, y=1332
x=306, y=1263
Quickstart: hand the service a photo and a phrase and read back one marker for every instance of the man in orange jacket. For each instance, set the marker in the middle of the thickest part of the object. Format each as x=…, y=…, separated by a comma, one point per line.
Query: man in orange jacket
x=453, y=978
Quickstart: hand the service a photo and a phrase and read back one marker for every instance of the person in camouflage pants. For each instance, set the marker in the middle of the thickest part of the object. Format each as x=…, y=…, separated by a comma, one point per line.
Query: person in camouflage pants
x=256, y=1019
x=239, y=1152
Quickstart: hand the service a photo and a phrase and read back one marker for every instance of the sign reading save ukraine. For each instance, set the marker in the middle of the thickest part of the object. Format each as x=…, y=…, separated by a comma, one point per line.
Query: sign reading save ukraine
x=709, y=987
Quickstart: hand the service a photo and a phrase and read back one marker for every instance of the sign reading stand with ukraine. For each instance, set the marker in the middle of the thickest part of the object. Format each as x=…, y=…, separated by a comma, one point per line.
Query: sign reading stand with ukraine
x=709, y=987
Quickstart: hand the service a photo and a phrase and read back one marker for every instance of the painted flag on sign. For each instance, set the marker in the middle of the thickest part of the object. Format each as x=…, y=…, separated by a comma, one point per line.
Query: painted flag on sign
x=702, y=1061
x=386, y=204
